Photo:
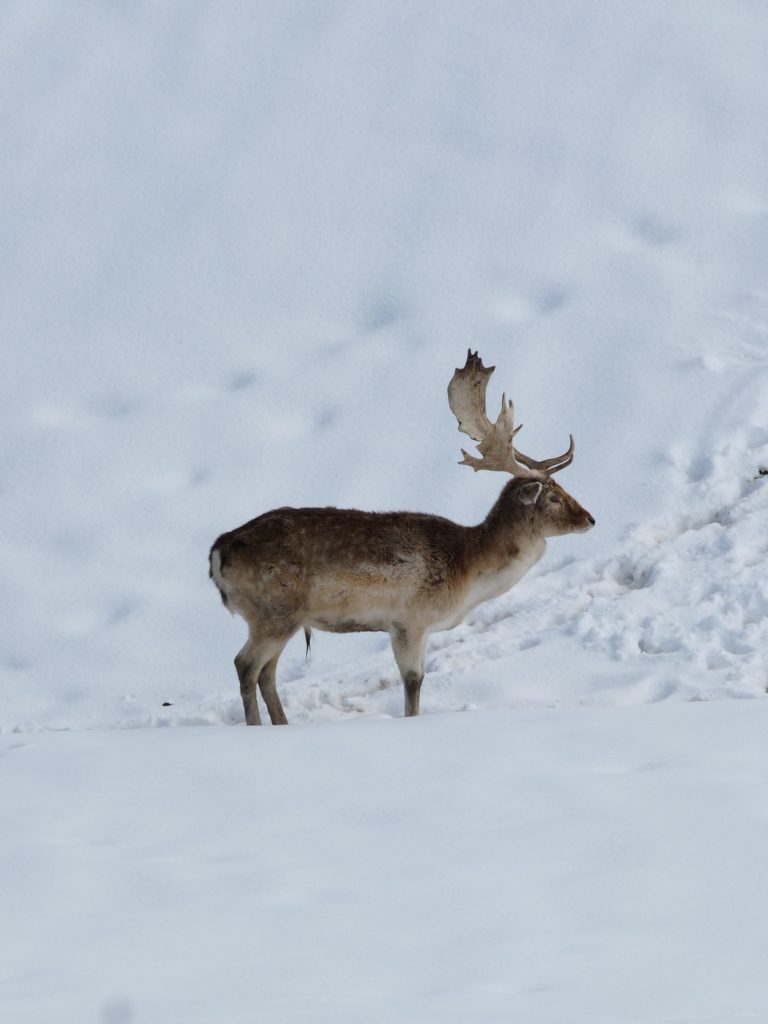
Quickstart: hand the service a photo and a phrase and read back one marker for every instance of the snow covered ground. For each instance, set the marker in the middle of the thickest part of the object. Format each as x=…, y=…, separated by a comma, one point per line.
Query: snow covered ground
x=587, y=865
x=244, y=246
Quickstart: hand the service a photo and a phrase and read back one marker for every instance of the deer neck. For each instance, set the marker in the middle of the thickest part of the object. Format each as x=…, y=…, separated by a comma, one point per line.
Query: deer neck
x=499, y=544
x=505, y=546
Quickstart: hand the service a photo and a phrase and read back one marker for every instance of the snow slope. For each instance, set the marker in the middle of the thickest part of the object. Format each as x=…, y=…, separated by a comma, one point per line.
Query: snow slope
x=244, y=246
x=247, y=246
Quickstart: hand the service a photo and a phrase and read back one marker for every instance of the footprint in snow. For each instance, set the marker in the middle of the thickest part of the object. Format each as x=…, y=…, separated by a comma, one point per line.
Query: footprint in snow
x=242, y=380
x=522, y=308
x=381, y=311
x=654, y=231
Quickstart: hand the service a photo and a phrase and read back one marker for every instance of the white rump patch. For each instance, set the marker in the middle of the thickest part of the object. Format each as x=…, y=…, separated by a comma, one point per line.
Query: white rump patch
x=217, y=575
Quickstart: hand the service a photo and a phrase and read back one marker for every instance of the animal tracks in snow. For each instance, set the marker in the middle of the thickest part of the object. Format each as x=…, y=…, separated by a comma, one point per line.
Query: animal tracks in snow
x=739, y=333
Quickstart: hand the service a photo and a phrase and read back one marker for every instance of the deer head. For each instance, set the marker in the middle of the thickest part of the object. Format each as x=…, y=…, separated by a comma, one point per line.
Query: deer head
x=549, y=504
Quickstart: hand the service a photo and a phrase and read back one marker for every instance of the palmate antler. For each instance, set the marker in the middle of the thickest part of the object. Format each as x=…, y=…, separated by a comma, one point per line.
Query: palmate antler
x=466, y=397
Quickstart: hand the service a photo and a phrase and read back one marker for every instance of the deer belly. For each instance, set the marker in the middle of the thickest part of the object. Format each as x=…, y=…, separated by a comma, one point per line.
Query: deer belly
x=350, y=620
x=344, y=609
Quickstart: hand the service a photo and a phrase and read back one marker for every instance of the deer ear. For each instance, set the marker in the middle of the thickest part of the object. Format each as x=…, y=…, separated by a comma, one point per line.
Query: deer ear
x=528, y=493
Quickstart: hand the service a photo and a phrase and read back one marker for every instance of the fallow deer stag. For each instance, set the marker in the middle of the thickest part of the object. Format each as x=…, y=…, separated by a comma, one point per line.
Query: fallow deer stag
x=404, y=573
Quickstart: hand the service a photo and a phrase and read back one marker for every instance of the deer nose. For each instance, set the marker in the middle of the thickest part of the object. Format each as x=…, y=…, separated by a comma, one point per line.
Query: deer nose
x=590, y=519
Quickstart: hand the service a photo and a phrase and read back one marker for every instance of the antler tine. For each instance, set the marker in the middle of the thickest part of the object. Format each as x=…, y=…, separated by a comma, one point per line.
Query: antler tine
x=549, y=466
x=466, y=397
x=497, y=450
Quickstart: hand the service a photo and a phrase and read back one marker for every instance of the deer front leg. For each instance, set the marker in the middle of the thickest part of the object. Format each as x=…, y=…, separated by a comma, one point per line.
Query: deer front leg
x=409, y=647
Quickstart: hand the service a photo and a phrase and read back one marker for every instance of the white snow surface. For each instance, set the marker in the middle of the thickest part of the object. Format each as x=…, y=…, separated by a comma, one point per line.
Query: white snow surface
x=244, y=246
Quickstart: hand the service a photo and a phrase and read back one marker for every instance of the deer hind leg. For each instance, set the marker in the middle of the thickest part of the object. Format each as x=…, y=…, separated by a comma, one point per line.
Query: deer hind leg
x=247, y=672
x=409, y=647
x=269, y=691
x=256, y=664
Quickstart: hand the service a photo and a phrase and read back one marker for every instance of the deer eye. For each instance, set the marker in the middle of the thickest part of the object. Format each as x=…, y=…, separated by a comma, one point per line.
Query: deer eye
x=555, y=499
